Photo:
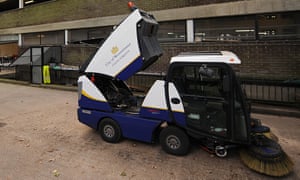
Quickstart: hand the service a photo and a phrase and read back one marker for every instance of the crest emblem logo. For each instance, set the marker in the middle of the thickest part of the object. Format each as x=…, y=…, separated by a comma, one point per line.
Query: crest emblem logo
x=114, y=49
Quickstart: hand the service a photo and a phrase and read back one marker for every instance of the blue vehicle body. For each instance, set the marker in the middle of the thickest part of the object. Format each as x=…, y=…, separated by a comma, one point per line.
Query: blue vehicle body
x=133, y=126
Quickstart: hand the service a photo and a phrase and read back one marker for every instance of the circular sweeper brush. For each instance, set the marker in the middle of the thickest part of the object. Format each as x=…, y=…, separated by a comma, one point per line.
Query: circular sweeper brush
x=266, y=156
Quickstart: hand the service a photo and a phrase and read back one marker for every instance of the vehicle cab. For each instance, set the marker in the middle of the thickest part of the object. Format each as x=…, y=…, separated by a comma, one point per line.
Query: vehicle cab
x=211, y=95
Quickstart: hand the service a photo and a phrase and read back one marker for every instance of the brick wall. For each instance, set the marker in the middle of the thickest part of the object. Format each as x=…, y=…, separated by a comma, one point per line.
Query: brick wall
x=76, y=55
x=262, y=60
x=9, y=49
x=65, y=10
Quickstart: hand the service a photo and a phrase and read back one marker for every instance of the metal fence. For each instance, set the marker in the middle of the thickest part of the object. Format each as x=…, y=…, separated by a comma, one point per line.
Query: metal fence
x=273, y=92
x=6, y=71
x=5, y=62
x=262, y=91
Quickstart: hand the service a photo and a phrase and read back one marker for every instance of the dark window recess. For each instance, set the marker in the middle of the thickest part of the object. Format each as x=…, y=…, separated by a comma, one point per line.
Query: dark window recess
x=44, y=38
x=89, y=35
x=279, y=26
x=8, y=5
x=225, y=29
x=31, y=2
x=174, y=31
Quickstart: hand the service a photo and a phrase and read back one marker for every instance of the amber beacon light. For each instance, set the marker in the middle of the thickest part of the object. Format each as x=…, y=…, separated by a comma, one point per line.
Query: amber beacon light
x=131, y=5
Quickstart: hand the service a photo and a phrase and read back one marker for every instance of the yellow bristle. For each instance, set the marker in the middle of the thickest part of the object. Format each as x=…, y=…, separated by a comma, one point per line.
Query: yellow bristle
x=280, y=166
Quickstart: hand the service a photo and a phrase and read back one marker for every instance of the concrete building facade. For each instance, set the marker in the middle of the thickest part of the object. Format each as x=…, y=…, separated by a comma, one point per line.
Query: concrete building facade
x=265, y=34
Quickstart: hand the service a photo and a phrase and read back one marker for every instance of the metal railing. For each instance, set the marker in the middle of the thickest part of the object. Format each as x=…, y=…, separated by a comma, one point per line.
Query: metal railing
x=273, y=92
x=262, y=91
x=5, y=62
x=6, y=71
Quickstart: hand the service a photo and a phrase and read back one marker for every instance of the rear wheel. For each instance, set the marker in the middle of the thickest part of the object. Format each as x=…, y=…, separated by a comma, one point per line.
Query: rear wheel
x=174, y=141
x=110, y=131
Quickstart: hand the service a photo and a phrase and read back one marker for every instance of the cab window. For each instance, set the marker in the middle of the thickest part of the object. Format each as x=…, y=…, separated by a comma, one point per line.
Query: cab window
x=201, y=88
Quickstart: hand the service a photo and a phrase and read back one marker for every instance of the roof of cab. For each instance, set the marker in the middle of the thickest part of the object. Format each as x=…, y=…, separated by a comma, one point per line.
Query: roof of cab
x=205, y=56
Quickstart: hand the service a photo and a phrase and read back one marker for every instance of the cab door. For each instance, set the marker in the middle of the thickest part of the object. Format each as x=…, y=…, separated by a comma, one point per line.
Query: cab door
x=205, y=97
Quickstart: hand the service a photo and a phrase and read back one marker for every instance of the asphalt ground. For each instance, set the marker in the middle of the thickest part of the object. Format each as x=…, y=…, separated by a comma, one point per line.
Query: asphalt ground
x=41, y=138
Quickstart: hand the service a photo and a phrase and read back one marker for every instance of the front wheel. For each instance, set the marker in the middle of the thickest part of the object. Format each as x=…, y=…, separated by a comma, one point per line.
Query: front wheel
x=174, y=141
x=110, y=131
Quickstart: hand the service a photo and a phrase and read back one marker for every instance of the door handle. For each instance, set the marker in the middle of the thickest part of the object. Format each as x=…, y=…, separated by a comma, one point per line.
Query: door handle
x=175, y=100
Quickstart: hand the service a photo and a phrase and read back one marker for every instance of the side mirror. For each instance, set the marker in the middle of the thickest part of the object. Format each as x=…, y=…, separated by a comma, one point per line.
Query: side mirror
x=226, y=83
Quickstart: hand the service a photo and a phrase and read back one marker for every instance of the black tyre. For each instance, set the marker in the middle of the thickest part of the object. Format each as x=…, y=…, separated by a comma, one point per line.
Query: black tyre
x=110, y=131
x=174, y=141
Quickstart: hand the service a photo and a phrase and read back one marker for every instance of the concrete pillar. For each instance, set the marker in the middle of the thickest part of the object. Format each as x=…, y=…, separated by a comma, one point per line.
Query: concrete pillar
x=20, y=40
x=66, y=37
x=21, y=4
x=190, y=30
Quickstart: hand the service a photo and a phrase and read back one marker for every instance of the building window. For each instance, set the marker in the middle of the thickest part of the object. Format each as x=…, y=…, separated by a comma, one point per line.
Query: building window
x=279, y=26
x=31, y=39
x=31, y=2
x=90, y=35
x=227, y=28
x=8, y=38
x=8, y=5
x=174, y=31
x=53, y=38
x=262, y=27
x=44, y=38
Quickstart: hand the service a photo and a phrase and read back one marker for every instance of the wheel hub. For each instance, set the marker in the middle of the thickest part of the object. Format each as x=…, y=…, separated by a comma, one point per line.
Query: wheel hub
x=221, y=151
x=173, y=142
x=109, y=131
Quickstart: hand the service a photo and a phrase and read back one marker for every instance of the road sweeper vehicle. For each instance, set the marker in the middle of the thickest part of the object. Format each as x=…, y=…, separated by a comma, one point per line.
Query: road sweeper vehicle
x=200, y=99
